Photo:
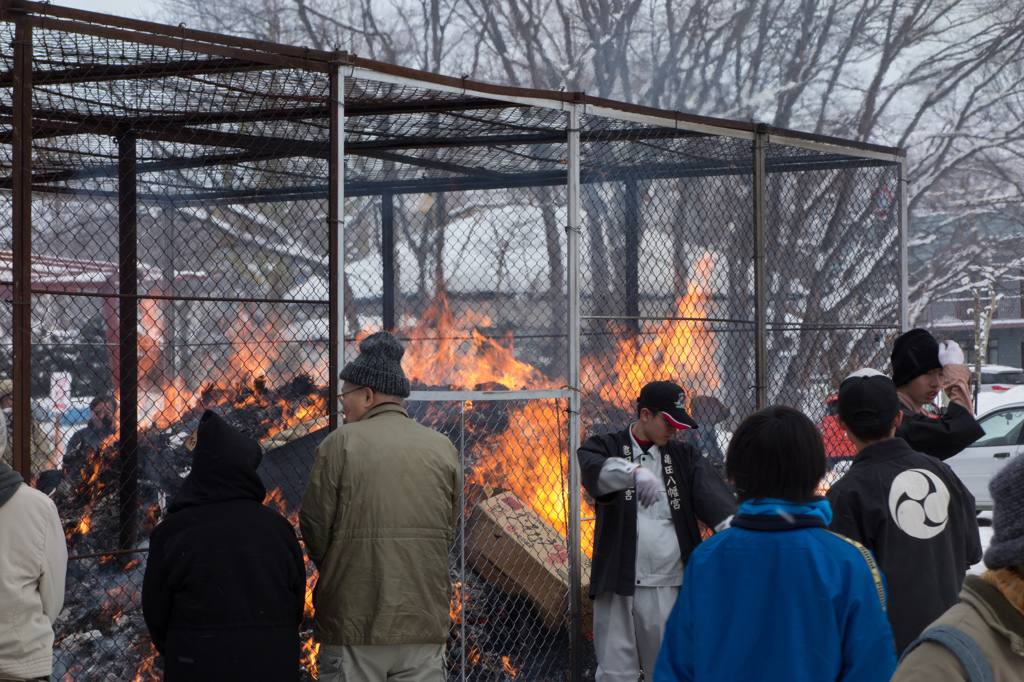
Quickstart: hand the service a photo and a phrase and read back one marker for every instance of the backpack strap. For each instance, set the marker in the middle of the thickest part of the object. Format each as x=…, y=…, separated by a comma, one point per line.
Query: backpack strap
x=870, y=560
x=963, y=647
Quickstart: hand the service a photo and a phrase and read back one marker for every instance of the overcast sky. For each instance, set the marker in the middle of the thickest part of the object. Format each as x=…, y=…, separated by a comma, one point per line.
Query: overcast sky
x=138, y=9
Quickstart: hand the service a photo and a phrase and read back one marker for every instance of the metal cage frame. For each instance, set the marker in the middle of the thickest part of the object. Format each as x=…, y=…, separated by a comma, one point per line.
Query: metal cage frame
x=370, y=124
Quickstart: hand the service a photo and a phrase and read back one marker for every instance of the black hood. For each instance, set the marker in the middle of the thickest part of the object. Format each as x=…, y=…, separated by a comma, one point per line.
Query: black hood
x=223, y=466
x=10, y=481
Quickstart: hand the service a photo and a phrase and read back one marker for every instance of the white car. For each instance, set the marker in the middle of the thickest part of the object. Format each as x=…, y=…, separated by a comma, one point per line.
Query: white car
x=1003, y=440
x=1000, y=377
x=1000, y=385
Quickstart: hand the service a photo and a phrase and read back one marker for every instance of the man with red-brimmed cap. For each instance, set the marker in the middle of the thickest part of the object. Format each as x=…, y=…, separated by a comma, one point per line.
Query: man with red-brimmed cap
x=640, y=550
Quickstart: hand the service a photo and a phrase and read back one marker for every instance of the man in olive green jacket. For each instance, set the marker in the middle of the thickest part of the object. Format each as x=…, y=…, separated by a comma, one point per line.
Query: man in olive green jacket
x=378, y=518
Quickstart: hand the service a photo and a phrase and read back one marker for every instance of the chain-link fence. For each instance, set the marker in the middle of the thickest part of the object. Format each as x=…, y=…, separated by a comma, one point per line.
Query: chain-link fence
x=205, y=222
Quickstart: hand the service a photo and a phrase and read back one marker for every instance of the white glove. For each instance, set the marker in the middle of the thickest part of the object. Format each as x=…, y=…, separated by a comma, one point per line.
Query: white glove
x=950, y=354
x=647, y=486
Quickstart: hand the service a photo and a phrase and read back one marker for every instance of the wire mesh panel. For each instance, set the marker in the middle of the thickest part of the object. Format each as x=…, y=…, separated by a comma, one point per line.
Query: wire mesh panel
x=179, y=264
x=833, y=298
x=475, y=282
x=667, y=290
x=509, y=565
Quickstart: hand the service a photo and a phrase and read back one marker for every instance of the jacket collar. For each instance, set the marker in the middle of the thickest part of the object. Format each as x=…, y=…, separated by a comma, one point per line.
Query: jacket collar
x=997, y=613
x=10, y=481
x=882, y=451
x=384, y=408
x=770, y=513
x=638, y=450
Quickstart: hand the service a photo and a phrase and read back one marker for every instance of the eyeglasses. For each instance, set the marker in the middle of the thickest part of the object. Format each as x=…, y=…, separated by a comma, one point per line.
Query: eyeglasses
x=351, y=390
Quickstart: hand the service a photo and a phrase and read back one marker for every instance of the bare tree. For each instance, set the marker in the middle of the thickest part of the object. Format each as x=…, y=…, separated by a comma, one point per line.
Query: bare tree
x=942, y=78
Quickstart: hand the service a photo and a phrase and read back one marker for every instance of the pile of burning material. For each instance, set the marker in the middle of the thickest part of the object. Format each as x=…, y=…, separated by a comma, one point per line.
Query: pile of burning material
x=498, y=636
x=509, y=613
x=100, y=633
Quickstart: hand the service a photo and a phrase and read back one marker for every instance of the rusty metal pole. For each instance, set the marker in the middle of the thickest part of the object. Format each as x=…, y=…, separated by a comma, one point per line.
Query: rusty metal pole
x=633, y=220
x=387, y=252
x=760, y=272
x=128, y=376
x=22, y=246
x=336, y=240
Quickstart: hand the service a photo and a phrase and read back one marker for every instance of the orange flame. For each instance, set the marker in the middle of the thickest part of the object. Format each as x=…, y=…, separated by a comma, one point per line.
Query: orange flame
x=529, y=459
x=145, y=673
x=458, y=355
x=275, y=500
x=676, y=350
x=90, y=485
x=507, y=667
x=455, y=608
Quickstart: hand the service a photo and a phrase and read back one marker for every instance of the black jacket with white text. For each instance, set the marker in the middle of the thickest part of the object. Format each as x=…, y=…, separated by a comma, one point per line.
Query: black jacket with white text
x=702, y=496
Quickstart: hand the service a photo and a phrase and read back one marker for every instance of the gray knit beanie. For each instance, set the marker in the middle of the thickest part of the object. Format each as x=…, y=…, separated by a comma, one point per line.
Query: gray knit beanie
x=379, y=365
x=1007, y=488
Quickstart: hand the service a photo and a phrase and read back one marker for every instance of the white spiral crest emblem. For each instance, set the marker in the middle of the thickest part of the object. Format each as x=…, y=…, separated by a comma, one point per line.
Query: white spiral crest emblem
x=919, y=503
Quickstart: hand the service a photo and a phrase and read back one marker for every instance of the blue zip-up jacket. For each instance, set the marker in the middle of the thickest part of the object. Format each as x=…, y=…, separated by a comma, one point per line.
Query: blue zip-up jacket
x=778, y=597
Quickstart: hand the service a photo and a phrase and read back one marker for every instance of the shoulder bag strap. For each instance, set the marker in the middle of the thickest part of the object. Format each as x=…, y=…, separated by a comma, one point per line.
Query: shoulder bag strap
x=962, y=646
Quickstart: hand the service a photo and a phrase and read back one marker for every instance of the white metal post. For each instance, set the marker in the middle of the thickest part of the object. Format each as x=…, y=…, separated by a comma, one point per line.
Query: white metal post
x=336, y=238
x=904, y=231
x=572, y=230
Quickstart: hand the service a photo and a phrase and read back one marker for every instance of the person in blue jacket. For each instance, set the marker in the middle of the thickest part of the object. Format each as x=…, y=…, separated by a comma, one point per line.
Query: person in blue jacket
x=777, y=596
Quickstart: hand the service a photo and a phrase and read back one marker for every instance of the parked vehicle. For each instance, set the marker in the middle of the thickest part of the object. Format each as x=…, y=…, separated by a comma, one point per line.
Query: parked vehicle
x=1000, y=385
x=1003, y=440
x=998, y=378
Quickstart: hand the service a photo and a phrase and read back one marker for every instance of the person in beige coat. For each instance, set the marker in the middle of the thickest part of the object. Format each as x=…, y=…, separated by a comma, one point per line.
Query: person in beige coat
x=991, y=608
x=33, y=562
x=378, y=519
x=41, y=450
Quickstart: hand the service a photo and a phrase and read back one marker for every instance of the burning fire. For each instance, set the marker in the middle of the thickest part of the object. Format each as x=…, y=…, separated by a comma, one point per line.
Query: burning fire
x=527, y=456
x=455, y=609
x=275, y=500
x=146, y=671
x=681, y=351
x=312, y=410
x=507, y=667
x=91, y=483
x=461, y=357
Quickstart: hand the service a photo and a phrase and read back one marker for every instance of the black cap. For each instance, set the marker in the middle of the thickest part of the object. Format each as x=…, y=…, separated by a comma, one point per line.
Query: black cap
x=670, y=400
x=913, y=354
x=868, y=399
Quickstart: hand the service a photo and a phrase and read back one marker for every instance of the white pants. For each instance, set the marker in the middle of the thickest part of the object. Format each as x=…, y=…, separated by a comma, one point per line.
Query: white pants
x=397, y=662
x=628, y=632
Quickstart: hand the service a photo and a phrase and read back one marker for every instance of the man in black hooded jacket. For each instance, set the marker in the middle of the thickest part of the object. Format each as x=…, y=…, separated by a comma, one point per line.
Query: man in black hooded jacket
x=225, y=581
